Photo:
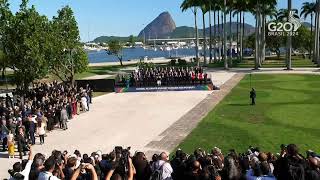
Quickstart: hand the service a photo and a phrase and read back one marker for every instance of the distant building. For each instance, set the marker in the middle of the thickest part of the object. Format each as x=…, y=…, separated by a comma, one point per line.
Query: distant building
x=138, y=44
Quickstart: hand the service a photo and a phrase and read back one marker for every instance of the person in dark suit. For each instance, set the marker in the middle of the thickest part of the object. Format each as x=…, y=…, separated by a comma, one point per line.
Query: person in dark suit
x=32, y=130
x=22, y=144
x=4, y=131
x=253, y=96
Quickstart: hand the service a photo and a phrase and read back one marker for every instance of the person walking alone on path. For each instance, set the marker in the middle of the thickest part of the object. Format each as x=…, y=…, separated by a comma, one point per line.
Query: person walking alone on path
x=253, y=96
x=64, y=117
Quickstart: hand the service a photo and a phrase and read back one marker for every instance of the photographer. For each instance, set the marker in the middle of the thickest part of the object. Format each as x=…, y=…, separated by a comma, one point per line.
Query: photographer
x=131, y=172
x=313, y=172
x=163, y=166
x=49, y=167
x=18, y=172
x=82, y=171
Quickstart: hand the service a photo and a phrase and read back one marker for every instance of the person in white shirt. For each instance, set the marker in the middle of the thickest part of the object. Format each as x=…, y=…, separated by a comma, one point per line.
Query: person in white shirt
x=41, y=131
x=49, y=167
x=17, y=168
x=164, y=165
x=84, y=103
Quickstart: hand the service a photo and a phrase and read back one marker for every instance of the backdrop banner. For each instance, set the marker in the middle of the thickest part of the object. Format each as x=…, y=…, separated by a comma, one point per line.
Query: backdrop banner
x=208, y=87
x=98, y=85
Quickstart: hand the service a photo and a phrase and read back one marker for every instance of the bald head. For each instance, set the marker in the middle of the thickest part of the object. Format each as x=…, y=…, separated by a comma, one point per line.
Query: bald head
x=313, y=162
x=196, y=165
x=164, y=156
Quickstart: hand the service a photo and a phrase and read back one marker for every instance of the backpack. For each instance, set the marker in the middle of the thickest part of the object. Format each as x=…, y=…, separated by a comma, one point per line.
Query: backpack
x=18, y=176
x=157, y=174
x=296, y=171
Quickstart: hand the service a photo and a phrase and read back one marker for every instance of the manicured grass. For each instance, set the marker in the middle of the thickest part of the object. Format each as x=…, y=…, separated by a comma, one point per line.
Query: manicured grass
x=287, y=111
x=270, y=62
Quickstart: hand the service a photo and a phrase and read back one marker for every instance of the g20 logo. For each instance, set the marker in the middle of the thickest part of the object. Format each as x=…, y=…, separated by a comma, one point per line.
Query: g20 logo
x=288, y=28
x=280, y=27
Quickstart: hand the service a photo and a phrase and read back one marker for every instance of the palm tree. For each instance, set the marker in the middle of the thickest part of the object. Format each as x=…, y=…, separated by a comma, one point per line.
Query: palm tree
x=240, y=7
x=229, y=11
x=218, y=8
x=193, y=5
x=258, y=8
x=204, y=8
x=270, y=11
x=306, y=10
x=225, y=38
x=210, y=31
x=283, y=15
x=214, y=33
x=317, y=33
x=255, y=8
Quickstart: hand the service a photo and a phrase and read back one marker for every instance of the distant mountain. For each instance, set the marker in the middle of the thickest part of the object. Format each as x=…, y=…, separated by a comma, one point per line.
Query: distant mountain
x=182, y=32
x=103, y=39
x=307, y=24
x=164, y=27
x=188, y=32
x=159, y=27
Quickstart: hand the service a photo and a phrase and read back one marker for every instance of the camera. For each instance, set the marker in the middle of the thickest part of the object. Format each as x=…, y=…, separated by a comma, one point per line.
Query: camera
x=15, y=175
x=311, y=153
x=283, y=146
x=122, y=159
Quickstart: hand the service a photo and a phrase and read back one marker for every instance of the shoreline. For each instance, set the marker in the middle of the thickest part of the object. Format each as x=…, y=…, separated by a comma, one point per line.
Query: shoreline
x=134, y=61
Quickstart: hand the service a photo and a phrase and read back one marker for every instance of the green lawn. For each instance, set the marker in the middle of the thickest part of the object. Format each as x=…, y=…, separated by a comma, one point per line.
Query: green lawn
x=287, y=111
x=270, y=62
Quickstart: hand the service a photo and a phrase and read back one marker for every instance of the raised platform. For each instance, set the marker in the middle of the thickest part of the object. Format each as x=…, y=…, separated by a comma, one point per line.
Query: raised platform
x=208, y=87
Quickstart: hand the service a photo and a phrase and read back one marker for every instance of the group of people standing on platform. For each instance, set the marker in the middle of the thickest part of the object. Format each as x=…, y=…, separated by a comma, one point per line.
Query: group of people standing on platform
x=166, y=76
x=38, y=111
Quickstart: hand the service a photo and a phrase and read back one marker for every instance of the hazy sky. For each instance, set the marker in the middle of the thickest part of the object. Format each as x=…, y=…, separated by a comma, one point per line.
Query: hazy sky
x=122, y=17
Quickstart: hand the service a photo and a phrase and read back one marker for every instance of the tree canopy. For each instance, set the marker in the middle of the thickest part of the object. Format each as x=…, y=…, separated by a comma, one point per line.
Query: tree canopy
x=37, y=46
x=115, y=48
x=68, y=56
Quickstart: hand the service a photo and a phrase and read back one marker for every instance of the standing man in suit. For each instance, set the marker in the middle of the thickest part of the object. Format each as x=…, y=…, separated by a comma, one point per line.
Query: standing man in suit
x=4, y=131
x=253, y=96
x=32, y=129
x=22, y=144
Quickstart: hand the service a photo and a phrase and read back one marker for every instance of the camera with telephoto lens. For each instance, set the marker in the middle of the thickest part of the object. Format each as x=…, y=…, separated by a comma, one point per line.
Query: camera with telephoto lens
x=15, y=175
x=311, y=153
x=122, y=158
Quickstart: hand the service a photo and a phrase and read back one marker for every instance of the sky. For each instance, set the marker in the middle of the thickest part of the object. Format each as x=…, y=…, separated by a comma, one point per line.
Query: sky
x=123, y=17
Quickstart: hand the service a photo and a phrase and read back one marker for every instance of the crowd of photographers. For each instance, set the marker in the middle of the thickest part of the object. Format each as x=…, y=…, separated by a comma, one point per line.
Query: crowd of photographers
x=254, y=164
x=38, y=111
x=165, y=76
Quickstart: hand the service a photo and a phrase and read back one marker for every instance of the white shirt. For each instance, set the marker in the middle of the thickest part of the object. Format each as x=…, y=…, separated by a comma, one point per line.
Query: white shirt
x=41, y=130
x=26, y=171
x=166, y=169
x=46, y=175
x=84, y=100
